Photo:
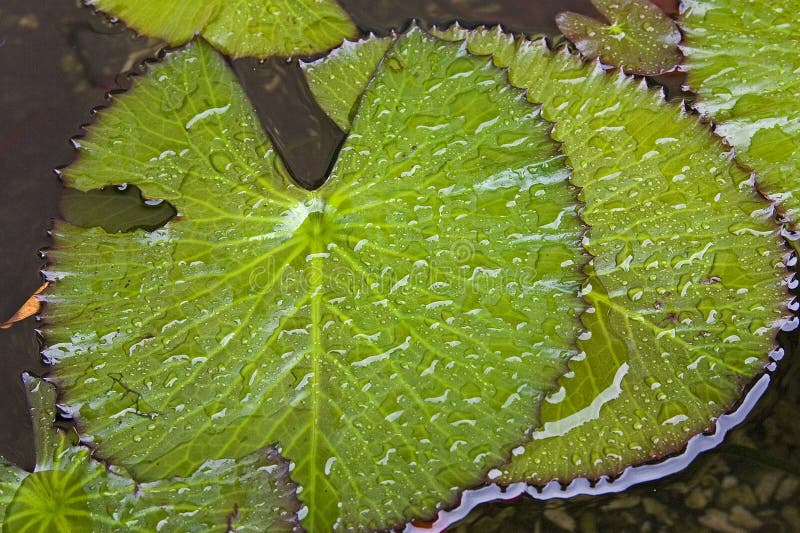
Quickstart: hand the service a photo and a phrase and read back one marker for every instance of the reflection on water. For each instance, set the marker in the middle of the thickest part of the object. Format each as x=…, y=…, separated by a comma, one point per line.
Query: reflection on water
x=751, y=482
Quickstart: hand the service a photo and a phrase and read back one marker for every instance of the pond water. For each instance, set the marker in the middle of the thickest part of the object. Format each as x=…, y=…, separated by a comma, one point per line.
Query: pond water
x=58, y=60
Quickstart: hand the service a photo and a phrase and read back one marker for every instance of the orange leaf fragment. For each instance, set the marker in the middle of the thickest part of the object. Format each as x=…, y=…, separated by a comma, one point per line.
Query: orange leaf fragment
x=29, y=308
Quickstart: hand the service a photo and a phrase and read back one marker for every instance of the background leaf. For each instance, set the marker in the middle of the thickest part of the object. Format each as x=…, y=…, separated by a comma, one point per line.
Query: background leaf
x=639, y=37
x=741, y=59
x=239, y=27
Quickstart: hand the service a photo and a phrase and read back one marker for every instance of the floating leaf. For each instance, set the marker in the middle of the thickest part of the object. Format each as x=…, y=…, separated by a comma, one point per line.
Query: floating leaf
x=640, y=37
x=354, y=62
x=239, y=28
x=393, y=331
x=685, y=288
x=741, y=58
x=69, y=491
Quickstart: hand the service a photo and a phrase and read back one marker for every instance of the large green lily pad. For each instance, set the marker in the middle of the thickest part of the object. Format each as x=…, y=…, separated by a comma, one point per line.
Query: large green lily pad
x=685, y=287
x=394, y=332
x=239, y=27
x=741, y=58
x=69, y=491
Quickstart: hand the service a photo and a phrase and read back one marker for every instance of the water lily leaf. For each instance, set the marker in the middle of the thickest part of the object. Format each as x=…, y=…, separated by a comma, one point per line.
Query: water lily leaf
x=640, y=37
x=241, y=27
x=354, y=62
x=394, y=331
x=69, y=491
x=686, y=287
x=742, y=61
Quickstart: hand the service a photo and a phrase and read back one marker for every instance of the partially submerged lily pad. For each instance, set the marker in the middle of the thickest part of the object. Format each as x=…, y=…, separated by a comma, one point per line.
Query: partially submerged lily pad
x=69, y=491
x=639, y=37
x=742, y=59
x=394, y=331
x=239, y=28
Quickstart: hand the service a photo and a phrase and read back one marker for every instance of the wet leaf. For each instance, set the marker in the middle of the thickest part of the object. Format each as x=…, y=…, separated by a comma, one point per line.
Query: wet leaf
x=69, y=491
x=29, y=308
x=354, y=62
x=741, y=58
x=685, y=286
x=393, y=331
x=639, y=37
x=239, y=28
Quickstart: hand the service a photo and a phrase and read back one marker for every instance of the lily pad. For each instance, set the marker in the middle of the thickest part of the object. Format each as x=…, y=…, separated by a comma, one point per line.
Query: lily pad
x=69, y=491
x=239, y=28
x=394, y=331
x=742, y=60
x=639, y=37
x=686, y=287
x=354, y=62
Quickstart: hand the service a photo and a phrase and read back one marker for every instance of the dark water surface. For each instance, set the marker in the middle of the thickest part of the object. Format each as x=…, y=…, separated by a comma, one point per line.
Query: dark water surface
x=57, y=61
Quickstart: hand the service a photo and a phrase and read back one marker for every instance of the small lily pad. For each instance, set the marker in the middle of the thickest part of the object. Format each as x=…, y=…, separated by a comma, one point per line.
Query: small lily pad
x=239, y=28
x=639, y=37
x=69, y=491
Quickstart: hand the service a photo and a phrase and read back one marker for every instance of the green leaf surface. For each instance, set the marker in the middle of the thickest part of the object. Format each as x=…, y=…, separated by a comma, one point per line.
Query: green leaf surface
x=69, y=491
x=353, y=62
x=394, y=331
x=639, y=37
x=742, y=60
x=686, y=284
x=239, y=28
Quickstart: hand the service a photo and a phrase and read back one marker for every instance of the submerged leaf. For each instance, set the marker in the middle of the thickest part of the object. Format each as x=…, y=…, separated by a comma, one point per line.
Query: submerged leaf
x=640, y=37
x=685, y=287
x=742, y=59
x=240, y=27
x=69, y=491
x=393, y=331
x=114, y=209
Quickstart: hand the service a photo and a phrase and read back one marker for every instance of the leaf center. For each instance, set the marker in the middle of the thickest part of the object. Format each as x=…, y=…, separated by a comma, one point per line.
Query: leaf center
x=318, y=226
